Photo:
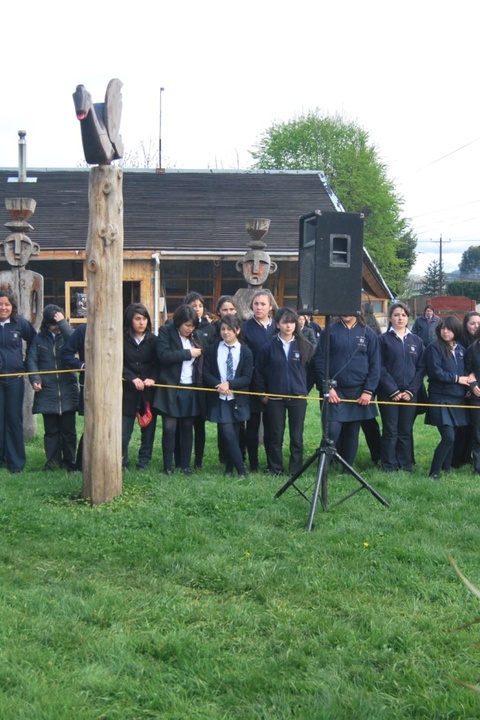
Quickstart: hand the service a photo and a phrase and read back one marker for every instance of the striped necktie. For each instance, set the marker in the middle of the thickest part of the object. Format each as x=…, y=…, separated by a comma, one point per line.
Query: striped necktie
x=230, y=373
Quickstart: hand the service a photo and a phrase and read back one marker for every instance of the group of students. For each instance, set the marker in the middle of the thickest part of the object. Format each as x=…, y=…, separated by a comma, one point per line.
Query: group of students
x=249, y=377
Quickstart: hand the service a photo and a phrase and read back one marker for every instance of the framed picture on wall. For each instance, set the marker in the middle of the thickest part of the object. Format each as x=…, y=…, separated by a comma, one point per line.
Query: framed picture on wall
x=76, y=302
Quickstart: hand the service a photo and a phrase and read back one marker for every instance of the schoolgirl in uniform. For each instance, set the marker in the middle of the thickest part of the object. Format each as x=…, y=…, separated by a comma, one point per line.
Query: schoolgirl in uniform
x=228, y=367
x=179, y=355
x=447, y=386
x=139, y=375
x=282, y=369
x=256, y=331
x=205, y=332
x=13, y=329
x=355, y=367
x=402, y=371
x=56, y=395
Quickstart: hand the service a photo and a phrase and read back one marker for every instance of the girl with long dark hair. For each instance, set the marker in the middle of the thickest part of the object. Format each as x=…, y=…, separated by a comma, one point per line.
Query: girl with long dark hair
x=139, y=376
x=13, y=330
x=179, y=357
x=447, y=386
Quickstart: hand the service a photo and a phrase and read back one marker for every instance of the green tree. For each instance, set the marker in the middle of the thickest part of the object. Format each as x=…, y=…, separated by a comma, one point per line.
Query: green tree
x=356, y=174
x=468, y=288
x=431, y=279
x=470, y=262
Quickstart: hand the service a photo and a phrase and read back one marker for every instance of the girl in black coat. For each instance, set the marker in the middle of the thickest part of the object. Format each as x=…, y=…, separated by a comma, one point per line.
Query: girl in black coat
x=179, y=357
x=205, y=332
x=56, y=395
x=139, y=360
x=13, y=329
x=447, y=386
x=402, y=371
x=225, y=407
x=282, y=368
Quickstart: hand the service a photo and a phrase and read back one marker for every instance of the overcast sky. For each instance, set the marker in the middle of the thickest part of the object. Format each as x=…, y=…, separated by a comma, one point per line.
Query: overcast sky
x=407, y=73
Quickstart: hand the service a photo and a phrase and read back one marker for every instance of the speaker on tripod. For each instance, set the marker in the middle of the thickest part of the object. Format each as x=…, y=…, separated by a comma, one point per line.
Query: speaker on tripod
x=330, y=282
x=330, y=262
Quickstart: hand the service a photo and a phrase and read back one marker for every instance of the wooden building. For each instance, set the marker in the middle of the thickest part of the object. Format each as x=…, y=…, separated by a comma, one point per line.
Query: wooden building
x=183, y=231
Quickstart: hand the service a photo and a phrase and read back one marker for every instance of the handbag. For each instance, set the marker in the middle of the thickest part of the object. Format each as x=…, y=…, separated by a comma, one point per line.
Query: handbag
x=422, y=399
x=145, y=419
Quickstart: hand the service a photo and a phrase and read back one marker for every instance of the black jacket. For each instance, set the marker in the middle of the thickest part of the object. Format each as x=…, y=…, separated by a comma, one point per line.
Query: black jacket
x=274, y=374
x=11, y=346
x=74, y=358
x=170, y=356
x=59, y=393
x=139, y=361
x=241, y=381
x=402, y=363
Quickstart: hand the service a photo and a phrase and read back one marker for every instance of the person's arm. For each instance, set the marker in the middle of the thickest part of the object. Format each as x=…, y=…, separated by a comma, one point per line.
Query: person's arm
x=32, y=366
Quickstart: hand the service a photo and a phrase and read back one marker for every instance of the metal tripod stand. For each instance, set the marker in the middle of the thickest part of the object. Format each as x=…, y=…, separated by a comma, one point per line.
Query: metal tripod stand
x=325, y=454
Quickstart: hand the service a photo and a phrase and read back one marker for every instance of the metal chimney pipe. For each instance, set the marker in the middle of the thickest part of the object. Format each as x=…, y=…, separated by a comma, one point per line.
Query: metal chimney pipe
x=22, y=156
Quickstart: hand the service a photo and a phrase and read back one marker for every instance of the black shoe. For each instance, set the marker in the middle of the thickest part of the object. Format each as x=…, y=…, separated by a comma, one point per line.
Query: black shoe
x=186, y=471
x=434, y=476
x=168, y=472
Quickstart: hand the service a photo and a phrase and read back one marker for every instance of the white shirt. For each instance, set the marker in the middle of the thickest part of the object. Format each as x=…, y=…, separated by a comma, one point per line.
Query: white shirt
x=186, y=375
x=222, y=354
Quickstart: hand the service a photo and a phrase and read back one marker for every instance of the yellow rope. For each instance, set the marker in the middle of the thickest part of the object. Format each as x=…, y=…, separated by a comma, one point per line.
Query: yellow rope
x=248, y=392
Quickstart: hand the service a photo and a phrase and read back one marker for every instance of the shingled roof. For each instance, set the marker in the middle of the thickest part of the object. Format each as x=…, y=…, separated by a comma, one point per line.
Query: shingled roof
x=176, y=210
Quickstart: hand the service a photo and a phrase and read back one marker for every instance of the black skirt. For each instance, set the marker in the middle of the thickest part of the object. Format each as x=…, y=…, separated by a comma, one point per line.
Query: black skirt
x=187, y=402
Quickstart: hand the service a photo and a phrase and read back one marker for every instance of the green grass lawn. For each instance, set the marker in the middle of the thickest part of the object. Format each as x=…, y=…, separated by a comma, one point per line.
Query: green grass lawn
x=204, y=597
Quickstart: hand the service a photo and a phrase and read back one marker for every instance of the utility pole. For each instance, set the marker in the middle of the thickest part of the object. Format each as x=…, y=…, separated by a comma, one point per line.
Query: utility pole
x=160, y=134
x=440, y=269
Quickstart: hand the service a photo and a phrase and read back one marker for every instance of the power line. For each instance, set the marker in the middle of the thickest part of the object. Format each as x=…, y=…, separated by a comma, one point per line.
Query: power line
x=447, y=155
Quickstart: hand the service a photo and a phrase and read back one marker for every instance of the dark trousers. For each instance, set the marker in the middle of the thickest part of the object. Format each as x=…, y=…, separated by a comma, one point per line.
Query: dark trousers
x=147, y=437
x=199, y=436
x=373, y=437
x=12, y=446
x=60, y=440
x=463, y=446
x=252, y=431
x=277, y=413
x=397, y=436
x=475, y=420
x=229, y=435
x=442, y=457
x=185, y=426
x=350, y=432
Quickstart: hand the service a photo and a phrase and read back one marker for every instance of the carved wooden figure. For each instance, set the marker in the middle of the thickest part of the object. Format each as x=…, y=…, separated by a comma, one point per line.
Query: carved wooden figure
x=100, y=124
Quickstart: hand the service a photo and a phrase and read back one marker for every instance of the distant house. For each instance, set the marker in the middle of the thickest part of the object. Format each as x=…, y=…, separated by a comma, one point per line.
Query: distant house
x=183, y=231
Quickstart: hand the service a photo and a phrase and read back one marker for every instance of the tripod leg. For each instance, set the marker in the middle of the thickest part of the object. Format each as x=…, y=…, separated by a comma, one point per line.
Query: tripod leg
x=360, y=479
x=320, y=484
x=291, y=481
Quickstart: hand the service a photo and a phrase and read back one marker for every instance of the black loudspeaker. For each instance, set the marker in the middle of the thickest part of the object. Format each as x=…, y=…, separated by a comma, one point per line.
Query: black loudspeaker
x=330, y=262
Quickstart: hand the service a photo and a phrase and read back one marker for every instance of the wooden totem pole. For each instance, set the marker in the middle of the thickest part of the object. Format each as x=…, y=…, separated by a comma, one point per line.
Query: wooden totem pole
x=102, y=445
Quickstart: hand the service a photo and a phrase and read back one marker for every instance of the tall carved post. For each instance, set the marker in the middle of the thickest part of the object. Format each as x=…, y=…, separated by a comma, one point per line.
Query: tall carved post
x=102, y=451
x=26, y=285
x=256, y=265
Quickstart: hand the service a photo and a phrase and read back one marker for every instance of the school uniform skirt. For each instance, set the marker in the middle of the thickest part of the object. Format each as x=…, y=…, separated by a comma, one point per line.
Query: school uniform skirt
x=344, y=412
x=187, y=402
x=439, y=413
